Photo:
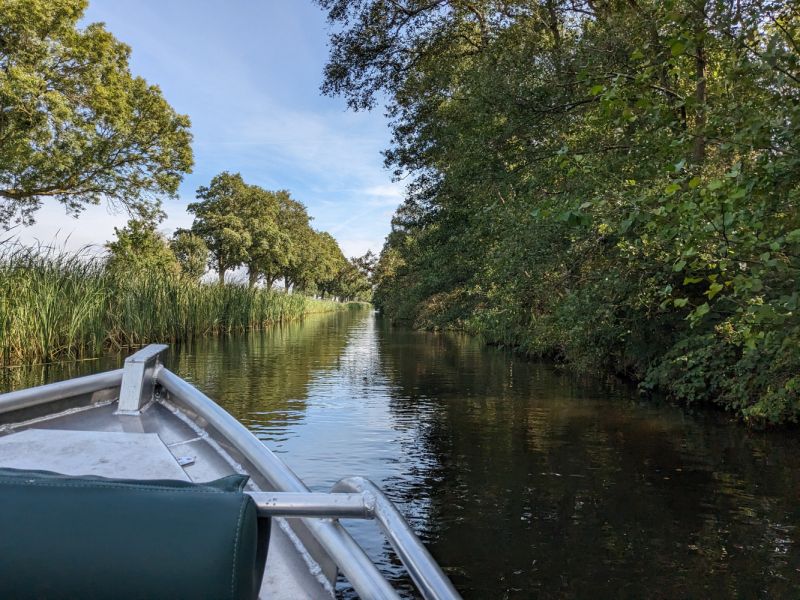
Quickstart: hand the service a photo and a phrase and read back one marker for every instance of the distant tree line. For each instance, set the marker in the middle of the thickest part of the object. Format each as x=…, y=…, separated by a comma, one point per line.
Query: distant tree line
x=241, y=225
x=78, y=127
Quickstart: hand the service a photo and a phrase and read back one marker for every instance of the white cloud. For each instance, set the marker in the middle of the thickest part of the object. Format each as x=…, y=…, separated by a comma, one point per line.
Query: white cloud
x=247, y=74
x=94, y=226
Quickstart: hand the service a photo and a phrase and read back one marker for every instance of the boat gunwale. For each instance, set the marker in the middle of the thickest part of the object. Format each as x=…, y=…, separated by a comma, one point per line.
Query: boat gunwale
x=332, y=538
x=335, y=540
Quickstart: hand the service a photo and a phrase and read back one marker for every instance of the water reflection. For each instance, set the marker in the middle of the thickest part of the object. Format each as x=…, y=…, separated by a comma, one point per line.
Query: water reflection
x=525, y=481
x=545, y=485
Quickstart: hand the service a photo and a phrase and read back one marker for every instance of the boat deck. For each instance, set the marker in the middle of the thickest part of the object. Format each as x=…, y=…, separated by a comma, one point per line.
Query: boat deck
x=160, y=443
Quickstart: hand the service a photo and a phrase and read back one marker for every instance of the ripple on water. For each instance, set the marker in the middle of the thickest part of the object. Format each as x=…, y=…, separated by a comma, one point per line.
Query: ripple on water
x=524, y=480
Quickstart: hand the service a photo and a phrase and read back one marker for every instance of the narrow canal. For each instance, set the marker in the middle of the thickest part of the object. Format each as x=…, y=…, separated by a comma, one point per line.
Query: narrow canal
x=524, y=481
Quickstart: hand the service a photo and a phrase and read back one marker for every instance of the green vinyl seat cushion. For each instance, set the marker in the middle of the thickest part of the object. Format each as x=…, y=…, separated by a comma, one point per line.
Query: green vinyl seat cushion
x=98, y=538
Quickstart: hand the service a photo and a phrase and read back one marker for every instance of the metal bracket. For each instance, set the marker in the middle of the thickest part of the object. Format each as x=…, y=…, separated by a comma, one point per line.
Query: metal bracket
x=317, y=505
x=139, y=379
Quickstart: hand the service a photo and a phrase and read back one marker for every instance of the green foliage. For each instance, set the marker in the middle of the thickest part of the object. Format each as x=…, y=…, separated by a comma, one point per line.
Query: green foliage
x=353, y=278
x=612, y=184
x=221, y=221
x=271, y=231
x=191, y=252
x=56, y=305
x=139, y=247
x=268, y=232
x=75, y=125
x=325, y=274
x=313, y=258
x=51, y=302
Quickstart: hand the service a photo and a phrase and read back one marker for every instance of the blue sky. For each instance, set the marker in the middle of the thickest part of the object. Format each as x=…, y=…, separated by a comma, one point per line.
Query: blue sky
x=248, y=74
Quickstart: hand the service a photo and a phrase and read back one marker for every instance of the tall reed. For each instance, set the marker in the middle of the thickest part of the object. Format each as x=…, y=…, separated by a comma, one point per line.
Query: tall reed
x=57, y=305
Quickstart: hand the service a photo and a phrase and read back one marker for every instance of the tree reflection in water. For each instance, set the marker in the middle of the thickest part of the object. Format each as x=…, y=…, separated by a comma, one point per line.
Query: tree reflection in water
x=524, y=480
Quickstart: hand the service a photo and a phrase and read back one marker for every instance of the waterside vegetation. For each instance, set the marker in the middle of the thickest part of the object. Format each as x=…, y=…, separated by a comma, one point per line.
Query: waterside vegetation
x=57, y=305
x=77, y=127
x=611, y=183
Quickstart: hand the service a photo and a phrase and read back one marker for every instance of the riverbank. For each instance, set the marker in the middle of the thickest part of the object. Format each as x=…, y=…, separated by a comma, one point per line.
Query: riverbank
x=56, y=306
x=577, y=486
x=710, y=364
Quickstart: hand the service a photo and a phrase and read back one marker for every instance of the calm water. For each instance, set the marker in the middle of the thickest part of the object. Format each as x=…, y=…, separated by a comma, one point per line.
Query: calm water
x=523, y=480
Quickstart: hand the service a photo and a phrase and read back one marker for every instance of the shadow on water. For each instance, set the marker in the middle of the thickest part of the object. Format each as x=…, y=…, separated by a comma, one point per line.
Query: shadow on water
x=524, y=481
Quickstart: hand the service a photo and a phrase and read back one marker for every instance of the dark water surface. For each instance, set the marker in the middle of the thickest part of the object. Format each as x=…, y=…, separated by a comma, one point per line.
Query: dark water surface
x=523, y=480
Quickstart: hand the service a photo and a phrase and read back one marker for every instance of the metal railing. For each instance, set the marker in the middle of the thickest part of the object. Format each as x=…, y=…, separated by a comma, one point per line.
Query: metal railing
x=426, y=573
x=62, y=389
x=359, y=569
x=353, y=497
x=359, y=498
x=320, y=506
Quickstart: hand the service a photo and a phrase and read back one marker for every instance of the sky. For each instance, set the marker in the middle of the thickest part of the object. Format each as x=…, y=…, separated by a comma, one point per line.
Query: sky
x=248, y=72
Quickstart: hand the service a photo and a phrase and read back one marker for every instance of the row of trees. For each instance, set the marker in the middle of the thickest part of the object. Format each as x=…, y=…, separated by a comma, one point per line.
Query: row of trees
x=78, y=127
x=241, y=225
x=614, y=183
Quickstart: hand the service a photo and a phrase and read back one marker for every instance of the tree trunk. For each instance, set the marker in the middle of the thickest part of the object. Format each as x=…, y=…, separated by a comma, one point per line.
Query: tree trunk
x=222, y=275
x=253, y=276
x=286, y=284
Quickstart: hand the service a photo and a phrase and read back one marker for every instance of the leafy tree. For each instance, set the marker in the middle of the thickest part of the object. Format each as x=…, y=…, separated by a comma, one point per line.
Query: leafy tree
x=309, y=259
x=328, y=263
x=191, y=253
x=293, y=264
x=140, y=247
x=221, y=221
x=614, y=184
x=366, y=264
x=271, y=245
x=75, y=125
x=353, y=279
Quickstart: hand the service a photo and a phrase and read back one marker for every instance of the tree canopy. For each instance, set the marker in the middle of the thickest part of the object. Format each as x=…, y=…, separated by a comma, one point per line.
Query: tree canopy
x=267, y=232
x=611, y=183
x=191, y=253
x=221, y=220
x=75, y=124
x=140, y=247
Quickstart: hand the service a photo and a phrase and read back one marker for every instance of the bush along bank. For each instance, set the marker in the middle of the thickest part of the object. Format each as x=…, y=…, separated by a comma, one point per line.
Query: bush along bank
x=57, y=305
x=613, y=184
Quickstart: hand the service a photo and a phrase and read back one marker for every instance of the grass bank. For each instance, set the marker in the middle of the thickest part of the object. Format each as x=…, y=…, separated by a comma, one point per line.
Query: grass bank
x=56, y=305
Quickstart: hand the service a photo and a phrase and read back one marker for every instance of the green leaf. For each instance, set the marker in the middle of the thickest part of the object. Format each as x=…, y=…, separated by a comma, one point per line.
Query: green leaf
x=681, y=302
x=672, y=188
x=692, y=280
x=714, y=184
x=679, y=266
x=695, y=181
x=714, y=290
x=677, y=49
x=701, y=310
x=596, y=90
